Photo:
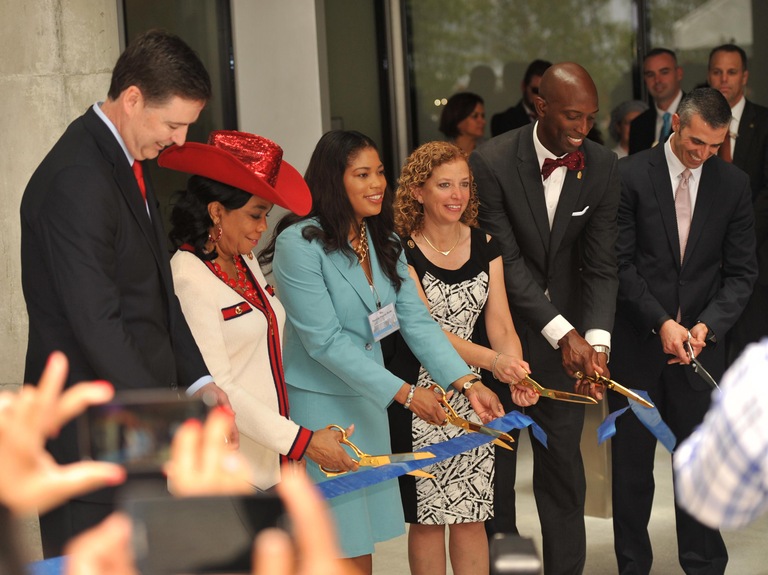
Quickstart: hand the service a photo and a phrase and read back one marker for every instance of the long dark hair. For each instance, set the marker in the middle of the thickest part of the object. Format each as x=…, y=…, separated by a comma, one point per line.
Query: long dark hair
x=190, y=220
x=332, y=209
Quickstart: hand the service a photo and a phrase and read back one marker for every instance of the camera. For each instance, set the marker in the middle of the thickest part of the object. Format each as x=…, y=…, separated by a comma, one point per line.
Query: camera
x=135, y=429
x=200, y=534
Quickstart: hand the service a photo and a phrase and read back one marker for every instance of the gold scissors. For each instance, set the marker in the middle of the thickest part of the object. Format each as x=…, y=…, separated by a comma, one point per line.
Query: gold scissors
x=453, y=418
x=557, y=394
x=615, y=386
x=365, y=460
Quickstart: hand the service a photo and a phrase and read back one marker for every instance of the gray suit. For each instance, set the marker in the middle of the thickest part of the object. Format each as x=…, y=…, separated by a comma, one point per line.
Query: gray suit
x=575, y=264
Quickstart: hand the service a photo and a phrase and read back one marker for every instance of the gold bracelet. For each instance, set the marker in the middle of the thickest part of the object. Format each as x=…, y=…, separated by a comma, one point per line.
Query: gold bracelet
x=493, y=365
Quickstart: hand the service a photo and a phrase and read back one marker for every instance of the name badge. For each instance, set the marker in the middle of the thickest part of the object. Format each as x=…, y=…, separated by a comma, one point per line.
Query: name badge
x=384, y=322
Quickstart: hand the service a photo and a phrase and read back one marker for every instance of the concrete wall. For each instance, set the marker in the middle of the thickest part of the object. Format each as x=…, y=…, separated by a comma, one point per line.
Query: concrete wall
x=55, y=60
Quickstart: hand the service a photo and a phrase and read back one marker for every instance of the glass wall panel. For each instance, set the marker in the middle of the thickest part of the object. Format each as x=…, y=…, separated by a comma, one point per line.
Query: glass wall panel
x=484, y=46
x=205, y=26
x=693, y=27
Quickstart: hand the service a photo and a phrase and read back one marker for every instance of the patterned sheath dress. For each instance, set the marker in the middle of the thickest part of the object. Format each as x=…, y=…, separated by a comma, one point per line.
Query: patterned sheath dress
x=462, y=490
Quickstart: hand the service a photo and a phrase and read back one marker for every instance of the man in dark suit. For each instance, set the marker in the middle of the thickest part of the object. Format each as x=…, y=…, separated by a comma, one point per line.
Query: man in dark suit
x=524, y=112
x=662, y=77
x=747, y=148
x=550, y=196
x=95, y=267
x=686, y=254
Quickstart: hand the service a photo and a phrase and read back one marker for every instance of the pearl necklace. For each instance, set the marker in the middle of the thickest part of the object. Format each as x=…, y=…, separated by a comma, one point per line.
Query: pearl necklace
x=445, y=253
x=241, y=283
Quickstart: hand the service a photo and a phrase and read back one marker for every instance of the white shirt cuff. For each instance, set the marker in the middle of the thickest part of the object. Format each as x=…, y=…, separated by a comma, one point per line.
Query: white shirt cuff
x=195, y=387
x=598, y=337
x=555, y=330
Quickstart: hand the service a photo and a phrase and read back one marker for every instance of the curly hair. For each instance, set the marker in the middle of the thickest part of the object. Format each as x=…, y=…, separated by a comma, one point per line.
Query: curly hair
x=418, y=168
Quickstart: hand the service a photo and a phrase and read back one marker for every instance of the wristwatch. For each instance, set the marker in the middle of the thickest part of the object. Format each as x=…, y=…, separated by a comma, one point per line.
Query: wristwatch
x=603, y=349
x=467, y=385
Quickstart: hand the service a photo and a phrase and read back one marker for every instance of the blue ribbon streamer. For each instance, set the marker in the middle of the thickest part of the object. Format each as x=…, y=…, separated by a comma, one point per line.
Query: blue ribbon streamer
x=648, y=416
x=443, y=450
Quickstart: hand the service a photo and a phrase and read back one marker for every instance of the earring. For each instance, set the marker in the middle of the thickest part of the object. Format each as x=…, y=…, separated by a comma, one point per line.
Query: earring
x=219, y=231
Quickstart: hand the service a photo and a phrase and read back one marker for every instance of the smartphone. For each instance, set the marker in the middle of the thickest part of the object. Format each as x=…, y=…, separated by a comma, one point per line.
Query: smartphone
x=200, y=534
x=512, y=554
x=135, y=429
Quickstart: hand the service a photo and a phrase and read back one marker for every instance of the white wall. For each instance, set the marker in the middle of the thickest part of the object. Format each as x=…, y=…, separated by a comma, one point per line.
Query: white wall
x=280, y=73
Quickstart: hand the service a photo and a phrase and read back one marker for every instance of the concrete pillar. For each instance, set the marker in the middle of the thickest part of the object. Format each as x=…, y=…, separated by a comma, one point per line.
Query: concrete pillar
x=56, y=57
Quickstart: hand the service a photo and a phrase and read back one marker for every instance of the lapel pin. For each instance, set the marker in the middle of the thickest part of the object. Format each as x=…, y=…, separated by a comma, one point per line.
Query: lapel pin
x=578, y=176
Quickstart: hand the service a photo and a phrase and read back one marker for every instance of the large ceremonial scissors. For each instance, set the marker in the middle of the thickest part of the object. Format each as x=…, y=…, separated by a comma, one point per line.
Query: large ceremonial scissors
x=453, y=418
x=556, y=393
x=614, y=386
x=697, y=367
x=365, y=460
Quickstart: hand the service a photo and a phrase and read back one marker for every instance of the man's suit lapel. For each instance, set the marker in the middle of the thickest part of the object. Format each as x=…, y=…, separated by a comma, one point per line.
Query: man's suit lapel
x=126, y=183
x=353, y=273
x=705, y=202
x=662, y=187
x=529, y=173
x=566, y=205
x=746, y=133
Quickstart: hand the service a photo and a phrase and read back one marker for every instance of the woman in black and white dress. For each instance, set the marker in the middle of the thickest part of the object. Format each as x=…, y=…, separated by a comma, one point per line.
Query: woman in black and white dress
x=459, y=272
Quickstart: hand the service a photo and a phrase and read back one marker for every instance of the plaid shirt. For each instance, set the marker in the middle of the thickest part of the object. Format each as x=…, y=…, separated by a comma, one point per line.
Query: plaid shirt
x=722, y=468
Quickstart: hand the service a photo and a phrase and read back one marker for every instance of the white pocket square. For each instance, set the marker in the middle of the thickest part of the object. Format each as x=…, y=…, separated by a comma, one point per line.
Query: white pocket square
x=581, y=213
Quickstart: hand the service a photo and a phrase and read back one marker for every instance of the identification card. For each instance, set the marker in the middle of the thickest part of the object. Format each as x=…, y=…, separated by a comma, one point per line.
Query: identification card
x=384, y=322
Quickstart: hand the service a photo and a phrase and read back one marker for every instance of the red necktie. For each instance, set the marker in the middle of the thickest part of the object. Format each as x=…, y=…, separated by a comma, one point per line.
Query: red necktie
x=572, y=161
x=138, y=171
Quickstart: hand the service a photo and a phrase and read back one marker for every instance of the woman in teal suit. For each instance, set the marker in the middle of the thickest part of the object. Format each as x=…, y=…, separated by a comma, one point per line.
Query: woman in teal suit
x=341, y=277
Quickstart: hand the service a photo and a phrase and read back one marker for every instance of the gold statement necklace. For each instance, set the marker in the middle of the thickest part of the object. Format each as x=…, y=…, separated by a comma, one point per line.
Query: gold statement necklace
x=362, y=244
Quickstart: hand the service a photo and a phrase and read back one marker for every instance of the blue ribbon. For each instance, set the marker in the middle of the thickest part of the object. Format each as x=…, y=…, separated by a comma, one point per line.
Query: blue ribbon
x=443, y=450
x=648, y=416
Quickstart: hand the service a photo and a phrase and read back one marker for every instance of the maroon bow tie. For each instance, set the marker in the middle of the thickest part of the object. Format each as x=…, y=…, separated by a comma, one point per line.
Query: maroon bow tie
x=572, y=161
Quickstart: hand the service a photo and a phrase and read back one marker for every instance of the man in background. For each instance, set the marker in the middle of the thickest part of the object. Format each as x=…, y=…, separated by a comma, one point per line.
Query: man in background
x=746, y=146
x=662, y=77
x=524, y=112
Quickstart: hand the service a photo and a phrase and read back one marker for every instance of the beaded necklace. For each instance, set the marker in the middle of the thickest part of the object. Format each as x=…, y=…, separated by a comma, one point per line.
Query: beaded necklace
x=241, y=283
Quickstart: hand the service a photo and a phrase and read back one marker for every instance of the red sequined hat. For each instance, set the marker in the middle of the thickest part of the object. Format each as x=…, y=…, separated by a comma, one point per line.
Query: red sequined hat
x=246, y=161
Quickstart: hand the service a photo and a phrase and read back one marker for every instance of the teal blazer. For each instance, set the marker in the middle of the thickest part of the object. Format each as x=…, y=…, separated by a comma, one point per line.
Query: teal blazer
x=328, y=344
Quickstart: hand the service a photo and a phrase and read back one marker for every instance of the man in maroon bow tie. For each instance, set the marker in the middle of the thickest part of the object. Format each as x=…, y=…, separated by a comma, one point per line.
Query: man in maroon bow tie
x=550, y=197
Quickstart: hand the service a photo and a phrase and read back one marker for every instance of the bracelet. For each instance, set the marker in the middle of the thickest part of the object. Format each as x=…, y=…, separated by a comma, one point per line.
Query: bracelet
x=409, y=399
x=493, y=365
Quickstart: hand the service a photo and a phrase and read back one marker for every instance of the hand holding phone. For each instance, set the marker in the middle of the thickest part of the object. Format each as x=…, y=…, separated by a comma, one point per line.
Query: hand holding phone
x=135, y=429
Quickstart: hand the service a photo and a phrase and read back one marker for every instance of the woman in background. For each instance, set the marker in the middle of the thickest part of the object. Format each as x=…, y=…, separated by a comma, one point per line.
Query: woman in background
x=340, y=274
x=621, y=117
x=460, y=277
x=234, y=316
x=463, y=120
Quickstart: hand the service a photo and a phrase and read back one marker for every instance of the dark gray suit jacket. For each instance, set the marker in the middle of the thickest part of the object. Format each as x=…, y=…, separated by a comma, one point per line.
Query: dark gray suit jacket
x=575, y=261
x=751, y=150
x=96, y=273
x=718, y=271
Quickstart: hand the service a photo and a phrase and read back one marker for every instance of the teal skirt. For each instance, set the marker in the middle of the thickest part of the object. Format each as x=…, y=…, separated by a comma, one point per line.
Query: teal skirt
x=366, y=516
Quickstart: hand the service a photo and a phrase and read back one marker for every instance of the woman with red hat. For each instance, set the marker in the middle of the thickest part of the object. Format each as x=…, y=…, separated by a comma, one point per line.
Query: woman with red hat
x=233, y=313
